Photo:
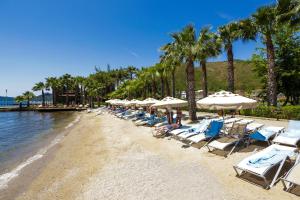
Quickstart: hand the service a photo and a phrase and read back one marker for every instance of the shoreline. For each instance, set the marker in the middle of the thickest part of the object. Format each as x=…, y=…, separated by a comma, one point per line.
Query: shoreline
x=26, y=167
x=103, y=157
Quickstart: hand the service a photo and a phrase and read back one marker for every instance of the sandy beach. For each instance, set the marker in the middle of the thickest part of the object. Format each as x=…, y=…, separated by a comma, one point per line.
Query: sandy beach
x=103, y=157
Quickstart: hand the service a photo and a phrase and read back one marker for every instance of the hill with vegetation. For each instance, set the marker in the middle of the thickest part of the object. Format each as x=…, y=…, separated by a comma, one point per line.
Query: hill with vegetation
x=245, y=78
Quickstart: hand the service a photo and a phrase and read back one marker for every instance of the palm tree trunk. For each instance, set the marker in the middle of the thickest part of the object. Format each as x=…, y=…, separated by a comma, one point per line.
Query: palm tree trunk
x=190, y=74
x=67, y=99
x=43, y=98
x=28, y=102
x=272, y=84
x=153, y=88
x=162, y=90
x=204, y=78
x=54, y=95
x=81, y=95
x=168, y=87
x=173, y=83
x=230, y=69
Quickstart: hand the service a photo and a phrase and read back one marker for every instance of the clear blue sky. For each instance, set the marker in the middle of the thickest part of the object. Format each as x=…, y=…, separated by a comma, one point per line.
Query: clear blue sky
x=41, y=38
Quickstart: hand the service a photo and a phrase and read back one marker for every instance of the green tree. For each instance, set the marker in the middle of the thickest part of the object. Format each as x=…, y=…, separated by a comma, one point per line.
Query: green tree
x=19, y=99
x=171, y=60
x=267, y=21
x=185, y=44
x=40, y=86
x=28, y=96
x=208, y=45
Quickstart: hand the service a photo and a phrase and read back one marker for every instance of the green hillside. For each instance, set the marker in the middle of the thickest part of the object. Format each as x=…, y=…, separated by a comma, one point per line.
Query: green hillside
x=245, y=78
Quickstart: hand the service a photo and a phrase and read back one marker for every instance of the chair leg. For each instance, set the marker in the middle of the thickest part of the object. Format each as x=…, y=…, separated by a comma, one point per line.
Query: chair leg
x=277, y=173
x=232, y=149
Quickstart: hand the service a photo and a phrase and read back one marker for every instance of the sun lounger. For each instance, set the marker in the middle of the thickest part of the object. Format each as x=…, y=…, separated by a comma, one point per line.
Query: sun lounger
x=266, y=133
x=211, y=133
x=245, y=121
x=260, y=163
x=292, y=178
x=231, y=120
x=201, y=128
x=250, y=128
x=163, y=131
x=236, y=135
x=291, y=136
x=165, y=122
x=182, y=129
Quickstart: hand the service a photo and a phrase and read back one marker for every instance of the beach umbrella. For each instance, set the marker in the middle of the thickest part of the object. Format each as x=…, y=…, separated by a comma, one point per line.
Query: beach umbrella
x=147, y=102
x=122, y=102
x=224, y=100
x=170, y=102
x=117, y=102
x=133, y=102
x=111, y=100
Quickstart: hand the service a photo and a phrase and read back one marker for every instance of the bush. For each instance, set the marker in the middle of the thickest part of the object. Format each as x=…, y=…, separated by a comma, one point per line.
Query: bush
x=285, y=112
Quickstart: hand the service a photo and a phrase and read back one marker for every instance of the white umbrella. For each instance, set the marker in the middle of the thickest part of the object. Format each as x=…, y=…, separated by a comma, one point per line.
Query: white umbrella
x=148, y=102
x=226, y=100
x=111, y=100
x=133, y=102
x=117, y=102
x=170, y=102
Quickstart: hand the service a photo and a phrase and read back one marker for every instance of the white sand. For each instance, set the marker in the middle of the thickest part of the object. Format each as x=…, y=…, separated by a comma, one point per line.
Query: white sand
x=111, y=159
x=143, y=167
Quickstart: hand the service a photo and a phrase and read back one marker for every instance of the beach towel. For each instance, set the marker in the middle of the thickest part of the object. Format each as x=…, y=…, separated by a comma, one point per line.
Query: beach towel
x=270, y=158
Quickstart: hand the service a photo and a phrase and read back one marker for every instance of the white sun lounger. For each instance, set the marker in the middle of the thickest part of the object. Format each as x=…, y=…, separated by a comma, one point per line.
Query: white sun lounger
x=291, y=136
x=231, y=120
x=266, y=133
x=292, y=178
x=182, y=129
x=235, y=137
x=202, y=126
x=260, y=163
x=245, y=121
x=253, y=127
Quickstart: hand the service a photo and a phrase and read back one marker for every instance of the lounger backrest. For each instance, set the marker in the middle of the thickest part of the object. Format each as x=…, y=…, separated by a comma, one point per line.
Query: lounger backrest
x=294, y=125
x=238, y=129
x=214, y=128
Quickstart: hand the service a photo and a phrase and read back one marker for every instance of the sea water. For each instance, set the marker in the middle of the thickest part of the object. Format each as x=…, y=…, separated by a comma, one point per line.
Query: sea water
x=26, y=136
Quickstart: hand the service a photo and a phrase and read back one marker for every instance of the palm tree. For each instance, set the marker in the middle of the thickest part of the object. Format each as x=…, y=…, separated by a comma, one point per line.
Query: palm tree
x=228, y=34
x=40, y=86
x=185, y=44
x=160, y=72
x=131, y=70
x=53, y=84
x=208, y=45
x=67, y=82
x=19, y=99
x=171, y=60
x=289, y=13
x=28, y=96
x=268, y=20
x=152, y=75
x=79, y=82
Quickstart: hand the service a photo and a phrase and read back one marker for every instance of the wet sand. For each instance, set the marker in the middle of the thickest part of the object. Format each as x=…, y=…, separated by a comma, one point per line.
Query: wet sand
x=108, y=158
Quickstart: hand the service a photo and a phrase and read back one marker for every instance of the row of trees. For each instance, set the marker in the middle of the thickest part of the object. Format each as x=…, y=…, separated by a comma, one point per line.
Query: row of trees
x=80, y=90
x=186, y=49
